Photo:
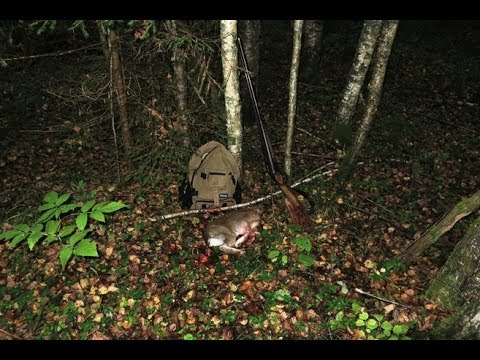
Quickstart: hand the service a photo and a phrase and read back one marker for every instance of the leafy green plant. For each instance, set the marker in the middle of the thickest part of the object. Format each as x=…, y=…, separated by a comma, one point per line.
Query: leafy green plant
x=376, y=327
x=385, y=268
x=304, y=243
x=368, y=326
x=55, y=223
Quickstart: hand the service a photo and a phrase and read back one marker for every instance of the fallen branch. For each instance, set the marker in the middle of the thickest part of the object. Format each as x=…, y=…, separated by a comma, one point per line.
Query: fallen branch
x=57, y=53
x=360, y=291
x=10, y=334
x=250, y=203
x=459, y=211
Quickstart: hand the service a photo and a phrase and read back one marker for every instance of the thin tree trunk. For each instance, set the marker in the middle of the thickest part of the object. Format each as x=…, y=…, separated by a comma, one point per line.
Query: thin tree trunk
x=312, y=45
x=459, y=211
x=228, y=36
x=103, y=40
x=250, y=34
x=361, y=62
x=117, y=74
x=385, y=41
x=457, y=285
x=292, y=94
x=180, y=76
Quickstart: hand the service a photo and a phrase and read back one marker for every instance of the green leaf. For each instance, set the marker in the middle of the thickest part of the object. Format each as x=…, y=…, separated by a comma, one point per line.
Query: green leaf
x=303, y=243
x=47, y=215
x=33, y=239
x=67, y=230
x=360, y=323
x=62, y=199
x=37, y=228
x=363, y=316
x=51, y=197
x=100, y=204
x=23, y=227
x=46, y=206
x=86, y=247
x=75, y=238
x=378, y=317
x=52, y=227
x=284, y=259
x=17, y=239
x=81, y=221
x=400, y=329
x=97, y=215
x=387, y=326
x=189, y=337
x=65, y=255
x=372, y=324
x=387, y=333
x=51, y=238
x=68, y=207
x=340, y=315
x=273, y=254
x=87, y=206
x=356, y=307
x=7, y=235
x=306, y=260
x=344, y=289
x=111, y=207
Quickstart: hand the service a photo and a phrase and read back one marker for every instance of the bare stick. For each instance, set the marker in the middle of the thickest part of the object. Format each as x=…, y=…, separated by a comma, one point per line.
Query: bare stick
x=10, y=334
x=360, y=291
x=238, y=206
x=58, y=53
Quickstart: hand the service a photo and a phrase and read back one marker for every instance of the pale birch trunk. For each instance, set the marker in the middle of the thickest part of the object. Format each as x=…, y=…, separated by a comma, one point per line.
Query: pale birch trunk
x=312, y=45
x=118, y=80
x=361, y=62
x=228, y=36
x=292, y=94
x=385, y=41
x=249, y=31
x=180, y=76
x=457, y=288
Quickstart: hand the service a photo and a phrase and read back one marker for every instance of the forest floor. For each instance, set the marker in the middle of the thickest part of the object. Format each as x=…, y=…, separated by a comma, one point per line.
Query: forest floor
x=158, y=280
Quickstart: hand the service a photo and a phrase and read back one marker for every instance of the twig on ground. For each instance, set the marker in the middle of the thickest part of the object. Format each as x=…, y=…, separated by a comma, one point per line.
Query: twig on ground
x=360, y=291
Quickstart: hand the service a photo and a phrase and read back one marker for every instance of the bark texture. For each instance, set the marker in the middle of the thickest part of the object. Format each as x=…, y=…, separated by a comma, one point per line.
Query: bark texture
x=459, y=211
x=385, y=41
x=457, y=287
x=292, y=94
x=361, y=62
x=228, y=36
x=180, y=75
x=312, y=45
x=117, y=75
x=250, y=31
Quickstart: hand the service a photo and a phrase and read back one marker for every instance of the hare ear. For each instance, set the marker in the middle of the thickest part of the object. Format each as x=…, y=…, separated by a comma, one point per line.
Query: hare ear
x=215, y=242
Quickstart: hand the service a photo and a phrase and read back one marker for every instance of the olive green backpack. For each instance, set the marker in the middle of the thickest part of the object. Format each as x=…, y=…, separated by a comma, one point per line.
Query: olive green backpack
x=212, y=179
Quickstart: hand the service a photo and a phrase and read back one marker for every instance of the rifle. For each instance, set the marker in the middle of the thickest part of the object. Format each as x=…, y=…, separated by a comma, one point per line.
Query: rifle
x=295, y=208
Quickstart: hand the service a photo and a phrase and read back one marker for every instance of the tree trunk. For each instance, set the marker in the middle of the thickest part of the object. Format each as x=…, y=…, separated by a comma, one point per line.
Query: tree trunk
x=250, y=34
x=312, y=45
x=228, y=36
x=457, y=286
x=292, y=94
x=459, y=211
x=103, y=39
x=385, y=41
x=180, y=76
x=117, y=77
x=361, y=62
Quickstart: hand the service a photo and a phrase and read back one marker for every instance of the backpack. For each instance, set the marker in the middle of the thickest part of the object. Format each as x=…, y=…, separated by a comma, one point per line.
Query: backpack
x=212, y=179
